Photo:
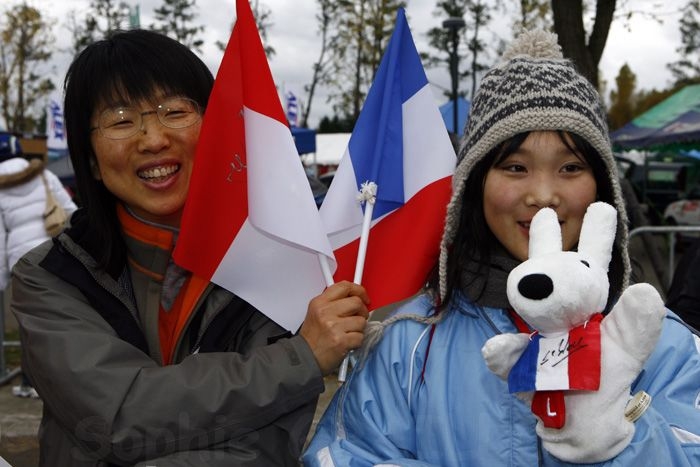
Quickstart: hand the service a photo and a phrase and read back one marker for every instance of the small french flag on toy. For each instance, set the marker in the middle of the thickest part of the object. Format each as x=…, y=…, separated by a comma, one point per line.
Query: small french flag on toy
x=566, y=362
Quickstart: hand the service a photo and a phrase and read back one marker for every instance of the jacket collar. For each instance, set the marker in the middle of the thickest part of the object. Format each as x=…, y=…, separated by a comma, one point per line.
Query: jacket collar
x=149, y=246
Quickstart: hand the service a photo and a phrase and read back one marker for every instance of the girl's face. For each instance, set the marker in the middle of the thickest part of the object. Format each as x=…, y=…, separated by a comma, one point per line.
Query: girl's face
x=150, y=170
x=542, y=172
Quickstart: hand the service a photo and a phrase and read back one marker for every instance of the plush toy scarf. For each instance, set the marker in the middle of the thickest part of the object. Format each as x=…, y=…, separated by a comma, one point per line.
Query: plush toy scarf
x=563, y=362
x=551, y=365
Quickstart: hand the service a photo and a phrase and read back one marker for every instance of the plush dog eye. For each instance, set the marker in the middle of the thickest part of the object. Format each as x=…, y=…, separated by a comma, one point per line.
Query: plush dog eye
x=586, y=263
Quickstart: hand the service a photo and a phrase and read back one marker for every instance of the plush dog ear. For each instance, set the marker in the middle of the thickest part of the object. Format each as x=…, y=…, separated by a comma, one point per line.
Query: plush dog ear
x=598, y=233
x=545, y=233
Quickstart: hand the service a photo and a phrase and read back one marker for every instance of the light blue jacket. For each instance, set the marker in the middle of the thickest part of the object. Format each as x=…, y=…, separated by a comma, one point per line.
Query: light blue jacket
x=461, y=414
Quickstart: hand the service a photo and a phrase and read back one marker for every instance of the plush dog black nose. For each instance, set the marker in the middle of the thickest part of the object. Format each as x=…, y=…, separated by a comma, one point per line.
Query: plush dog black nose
x=536, y=286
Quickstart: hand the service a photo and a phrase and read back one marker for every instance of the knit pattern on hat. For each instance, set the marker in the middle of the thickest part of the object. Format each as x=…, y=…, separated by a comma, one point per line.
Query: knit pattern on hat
x=533, y=89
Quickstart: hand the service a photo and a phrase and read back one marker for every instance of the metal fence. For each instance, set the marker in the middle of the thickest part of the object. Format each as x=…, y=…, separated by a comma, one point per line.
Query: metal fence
x=670, y=232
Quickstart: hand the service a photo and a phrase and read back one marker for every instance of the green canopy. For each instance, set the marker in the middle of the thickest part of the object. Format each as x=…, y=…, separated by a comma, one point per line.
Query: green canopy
x=673, y=123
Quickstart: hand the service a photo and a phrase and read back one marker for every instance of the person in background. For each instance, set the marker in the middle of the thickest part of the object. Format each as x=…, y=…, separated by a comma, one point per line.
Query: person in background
x=537, y=137
x=138, y=361
x=22, y=206
x=683, y=296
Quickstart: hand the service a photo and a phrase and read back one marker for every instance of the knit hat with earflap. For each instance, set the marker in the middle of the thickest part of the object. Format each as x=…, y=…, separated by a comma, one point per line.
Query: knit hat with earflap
x=532, y=88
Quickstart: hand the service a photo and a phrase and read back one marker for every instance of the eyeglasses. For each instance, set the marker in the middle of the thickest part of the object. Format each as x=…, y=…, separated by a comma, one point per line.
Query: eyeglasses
x=125, y=122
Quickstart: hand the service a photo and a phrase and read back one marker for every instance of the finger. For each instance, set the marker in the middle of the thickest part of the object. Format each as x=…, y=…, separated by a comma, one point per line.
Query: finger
x=351, y=324
x=350, y=341
x=355, y=340
x=346, y=289
x=349, y=306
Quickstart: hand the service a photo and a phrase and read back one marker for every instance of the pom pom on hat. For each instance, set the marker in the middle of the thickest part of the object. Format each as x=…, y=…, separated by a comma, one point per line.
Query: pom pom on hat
x=534, y=44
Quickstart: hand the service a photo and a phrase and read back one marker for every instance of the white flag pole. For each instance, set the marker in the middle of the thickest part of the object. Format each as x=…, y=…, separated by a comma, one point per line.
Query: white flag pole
x=326, y=269
x=367, y=195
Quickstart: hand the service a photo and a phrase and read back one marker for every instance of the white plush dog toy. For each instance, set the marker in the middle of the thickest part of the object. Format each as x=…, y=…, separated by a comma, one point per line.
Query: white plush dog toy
x=576, y=369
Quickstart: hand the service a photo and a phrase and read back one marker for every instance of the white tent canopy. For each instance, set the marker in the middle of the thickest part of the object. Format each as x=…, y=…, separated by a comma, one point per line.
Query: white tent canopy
x=330, y=148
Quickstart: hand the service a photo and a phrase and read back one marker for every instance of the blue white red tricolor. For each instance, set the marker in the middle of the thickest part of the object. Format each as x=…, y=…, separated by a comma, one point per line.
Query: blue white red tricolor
x=400, y=143
x=571, y=361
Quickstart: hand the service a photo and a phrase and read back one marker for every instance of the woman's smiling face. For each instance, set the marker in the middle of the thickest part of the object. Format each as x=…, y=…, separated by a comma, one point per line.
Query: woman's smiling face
x=150, y=171
x=543, y=172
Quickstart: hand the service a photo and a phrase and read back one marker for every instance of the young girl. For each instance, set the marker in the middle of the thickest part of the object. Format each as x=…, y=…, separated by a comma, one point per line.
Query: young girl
x=537, y=137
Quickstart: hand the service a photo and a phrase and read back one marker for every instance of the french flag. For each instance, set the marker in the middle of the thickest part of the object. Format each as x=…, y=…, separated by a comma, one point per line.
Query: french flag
x=566, y=362
x=250, y=223
x=400, y=143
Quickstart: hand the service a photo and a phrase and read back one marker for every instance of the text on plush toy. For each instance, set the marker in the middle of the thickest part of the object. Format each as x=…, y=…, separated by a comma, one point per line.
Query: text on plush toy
x=560, y=363
x=563, y=350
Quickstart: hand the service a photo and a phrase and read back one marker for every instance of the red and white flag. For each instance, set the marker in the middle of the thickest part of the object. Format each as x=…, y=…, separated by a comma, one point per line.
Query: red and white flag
x=250, y=223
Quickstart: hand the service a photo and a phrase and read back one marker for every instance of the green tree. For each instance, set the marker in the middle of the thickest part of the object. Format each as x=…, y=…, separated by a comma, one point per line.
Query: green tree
x=363, y=29
x=327, y=11
x=174, y=17
x=478, y=17
x=535, y=14
x=439, y=38
x=380, y=24
x=348, y=58
x=110, y=14
x=101, y=18
x=263, y=20
x=82, y=31
x=622, y=108
x=473, y=47
x=689, y=64
x=335, y=124
x=25, y=45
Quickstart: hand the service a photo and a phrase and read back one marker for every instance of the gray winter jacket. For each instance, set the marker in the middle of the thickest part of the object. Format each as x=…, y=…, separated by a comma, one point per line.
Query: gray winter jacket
x=239, y=390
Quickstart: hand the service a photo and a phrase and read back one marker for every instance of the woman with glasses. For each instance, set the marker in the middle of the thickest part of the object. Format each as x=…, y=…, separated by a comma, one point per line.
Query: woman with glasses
x=138, y=361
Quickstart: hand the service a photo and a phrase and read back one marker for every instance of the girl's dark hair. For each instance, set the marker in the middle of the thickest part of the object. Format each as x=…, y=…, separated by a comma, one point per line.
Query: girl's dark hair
x=126, y=66
x=475, y=242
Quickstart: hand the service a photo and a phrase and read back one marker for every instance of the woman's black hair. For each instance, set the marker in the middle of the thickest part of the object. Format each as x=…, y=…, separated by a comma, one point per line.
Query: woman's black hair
x=127, y=66
x=475, y=242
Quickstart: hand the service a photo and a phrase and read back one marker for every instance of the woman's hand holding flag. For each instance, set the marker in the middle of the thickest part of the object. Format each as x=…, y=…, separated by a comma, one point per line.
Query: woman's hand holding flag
x=335, y=322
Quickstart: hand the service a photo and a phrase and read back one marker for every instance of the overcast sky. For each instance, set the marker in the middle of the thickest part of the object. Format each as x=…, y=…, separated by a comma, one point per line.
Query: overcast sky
x=644, y=44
